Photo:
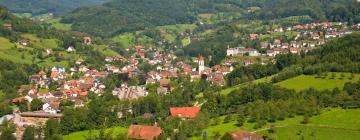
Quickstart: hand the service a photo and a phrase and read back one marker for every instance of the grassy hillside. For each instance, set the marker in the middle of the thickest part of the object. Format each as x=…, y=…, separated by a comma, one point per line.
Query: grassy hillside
x=262, y=80
x=330, y=124
x=82, y=134
x=320, y=83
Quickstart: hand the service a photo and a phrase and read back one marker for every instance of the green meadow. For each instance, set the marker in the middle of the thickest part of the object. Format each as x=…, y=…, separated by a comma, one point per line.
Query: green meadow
x=81, y=135
x=303, y=82
x=332, y=123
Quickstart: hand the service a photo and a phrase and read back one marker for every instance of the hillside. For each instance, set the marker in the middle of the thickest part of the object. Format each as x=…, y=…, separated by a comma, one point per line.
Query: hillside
x=122, y=16
x=129, y=15
x=56, y=7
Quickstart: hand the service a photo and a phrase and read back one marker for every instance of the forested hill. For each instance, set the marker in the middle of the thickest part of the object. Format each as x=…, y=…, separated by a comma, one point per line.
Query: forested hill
x=334, y=10
x=47, y=6
x=129, y=15
x=120, y=16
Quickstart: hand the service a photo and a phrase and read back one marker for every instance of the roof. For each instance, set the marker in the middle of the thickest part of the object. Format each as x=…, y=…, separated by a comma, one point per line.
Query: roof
x=243, y=135
x=42, y=72
x=40, y=114
x=144, y=132
x=186, y=112
x=164, y=82
x=201, y=58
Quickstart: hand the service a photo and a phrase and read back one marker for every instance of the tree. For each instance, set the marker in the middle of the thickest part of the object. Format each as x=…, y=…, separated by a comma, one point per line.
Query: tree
x=7, y=134
x=52, y=129
x=227, y=136
x=29, y=133
x=36, y=104
x=241, y=119
x=216, y=135
x=306, y=119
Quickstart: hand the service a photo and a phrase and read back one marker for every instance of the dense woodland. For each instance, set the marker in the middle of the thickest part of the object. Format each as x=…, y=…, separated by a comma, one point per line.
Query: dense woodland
x=37, y=7
x=119, y=14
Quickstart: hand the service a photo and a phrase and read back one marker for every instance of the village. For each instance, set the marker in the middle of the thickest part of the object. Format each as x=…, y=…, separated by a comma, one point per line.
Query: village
x=53, y=85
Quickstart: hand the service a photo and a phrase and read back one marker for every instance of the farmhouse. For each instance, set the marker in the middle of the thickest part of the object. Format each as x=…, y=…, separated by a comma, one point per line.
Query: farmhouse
x=184, y=112
x=24, y=42
x=143, y=132
x=243, y=135
x=87, y=40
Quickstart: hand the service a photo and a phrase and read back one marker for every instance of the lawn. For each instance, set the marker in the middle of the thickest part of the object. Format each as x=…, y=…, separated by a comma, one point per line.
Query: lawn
x=332, y=123
x=303, y=82
x=82, y=134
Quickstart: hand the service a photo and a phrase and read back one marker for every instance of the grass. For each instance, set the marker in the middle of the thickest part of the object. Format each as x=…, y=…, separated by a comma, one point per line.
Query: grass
x=58, y=25
x=334, y=123
x=222, y=128
x=131, y=39
x=303, y=82
x=81, y=135
x=312, y=133
x=262, y=80
x=105, y=50
x=342, y=118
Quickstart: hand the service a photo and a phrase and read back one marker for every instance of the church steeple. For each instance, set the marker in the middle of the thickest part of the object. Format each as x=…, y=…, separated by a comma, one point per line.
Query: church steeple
x=201, y=64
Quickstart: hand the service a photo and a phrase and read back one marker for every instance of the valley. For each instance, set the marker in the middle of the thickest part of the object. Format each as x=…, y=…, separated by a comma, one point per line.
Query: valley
x=179, y=70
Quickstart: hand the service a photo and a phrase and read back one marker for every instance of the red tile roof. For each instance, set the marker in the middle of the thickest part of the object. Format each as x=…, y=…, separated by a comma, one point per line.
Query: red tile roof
x=144, y=132
x=186, y=112
x=243, y=135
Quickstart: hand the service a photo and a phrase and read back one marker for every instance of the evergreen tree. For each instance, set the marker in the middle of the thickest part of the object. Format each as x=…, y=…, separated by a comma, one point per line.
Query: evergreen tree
x=29, y=133
x=52, y=129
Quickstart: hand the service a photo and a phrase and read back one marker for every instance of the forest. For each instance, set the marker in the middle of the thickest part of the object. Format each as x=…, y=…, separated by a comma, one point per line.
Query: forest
x=38, y=7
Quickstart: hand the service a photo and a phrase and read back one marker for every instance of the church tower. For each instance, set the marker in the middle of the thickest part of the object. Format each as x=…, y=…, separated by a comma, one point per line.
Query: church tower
x=201, y=64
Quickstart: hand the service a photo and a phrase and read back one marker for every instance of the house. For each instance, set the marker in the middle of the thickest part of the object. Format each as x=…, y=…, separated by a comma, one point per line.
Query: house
x=24, y=42
x=231, y=52
x=132, y=92
x=253, y=36
x=49, y=51
x=79, y=61
x=83, y=68
x=8, y=26
x=294, y=50
x=144, y=132
x=35, y=118
x=264, y=45
x=51, y=108
x=87, y=40
x=58, y=69
x=216, y=79
x=330, y=34
x=277, y=43
x=285, y=45
x=70, y=49
x=243, y=135
x=184, y=112
x=248, y=62
x=315, y=36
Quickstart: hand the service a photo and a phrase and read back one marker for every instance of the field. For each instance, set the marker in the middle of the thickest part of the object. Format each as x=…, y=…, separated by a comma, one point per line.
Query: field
x=58, y=25
x=332, y=123
x=326, y=82
x=82, y=134
x=229, y=90
x=131, y=39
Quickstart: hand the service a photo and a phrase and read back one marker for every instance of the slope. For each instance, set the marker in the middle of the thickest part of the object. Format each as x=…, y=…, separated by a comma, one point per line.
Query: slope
x=37, y=7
